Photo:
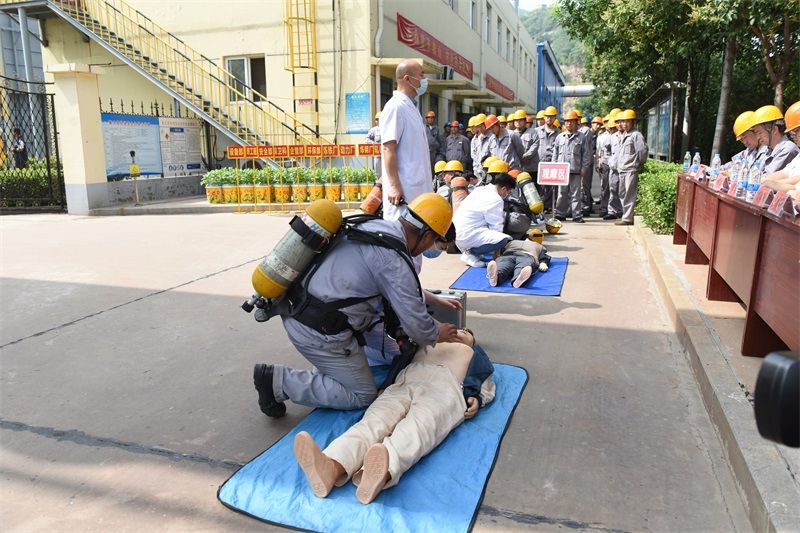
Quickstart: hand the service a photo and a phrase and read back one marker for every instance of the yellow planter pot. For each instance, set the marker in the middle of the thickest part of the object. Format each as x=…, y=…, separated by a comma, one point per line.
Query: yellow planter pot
x=333, y=191
x=264, y=194
x=364, y=189
x=299, y=192
x=214, y=194
x=316, y=191
x=351, y=191
x=247, y=193
x=230, y=194
x=283, y=193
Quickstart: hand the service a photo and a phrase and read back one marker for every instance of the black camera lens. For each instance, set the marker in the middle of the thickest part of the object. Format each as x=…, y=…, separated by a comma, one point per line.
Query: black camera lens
x=777, y=399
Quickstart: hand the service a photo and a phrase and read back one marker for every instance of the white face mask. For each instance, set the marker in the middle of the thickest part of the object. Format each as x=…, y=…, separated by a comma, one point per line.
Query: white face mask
x=423, y=85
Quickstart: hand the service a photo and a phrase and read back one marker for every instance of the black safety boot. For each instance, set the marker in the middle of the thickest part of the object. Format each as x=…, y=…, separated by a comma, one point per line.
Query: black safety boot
x=262, y=378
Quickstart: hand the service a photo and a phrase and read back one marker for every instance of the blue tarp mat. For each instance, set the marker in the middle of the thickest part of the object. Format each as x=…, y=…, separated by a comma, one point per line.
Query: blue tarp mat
x=439, y=494
x=541, y=283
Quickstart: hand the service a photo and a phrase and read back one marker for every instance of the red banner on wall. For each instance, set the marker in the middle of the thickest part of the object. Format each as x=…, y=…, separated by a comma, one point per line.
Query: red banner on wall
x=412, y=35
x=496, y=87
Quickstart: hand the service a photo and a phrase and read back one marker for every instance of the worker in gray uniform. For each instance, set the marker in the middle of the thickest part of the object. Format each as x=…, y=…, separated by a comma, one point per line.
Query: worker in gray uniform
x=457, y=146
x=500, y=143
x=541, y=150
x=769, y=127
x=629, y=162
x=601, y=156
x=479, y=146
x=571, y=147
x=435, y=140
x=374, y=137
x=345, y=294
x=612, y=149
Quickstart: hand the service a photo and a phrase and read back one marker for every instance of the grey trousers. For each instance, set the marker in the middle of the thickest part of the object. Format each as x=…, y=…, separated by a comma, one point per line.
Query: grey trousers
x=628, y=187
x=586, y=193
x=340, y=379
x=570, y=197
x=605, y=189
x=614, y=199
x=509, y=266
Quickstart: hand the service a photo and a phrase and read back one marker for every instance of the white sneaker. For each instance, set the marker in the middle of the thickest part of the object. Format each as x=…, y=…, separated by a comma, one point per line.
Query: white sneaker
x=524, y=276
x=472, y=260
x=543, y=267
x=491, y=273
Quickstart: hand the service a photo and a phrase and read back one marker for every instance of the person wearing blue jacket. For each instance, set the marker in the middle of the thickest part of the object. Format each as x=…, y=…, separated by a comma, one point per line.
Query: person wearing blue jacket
x=443, y=386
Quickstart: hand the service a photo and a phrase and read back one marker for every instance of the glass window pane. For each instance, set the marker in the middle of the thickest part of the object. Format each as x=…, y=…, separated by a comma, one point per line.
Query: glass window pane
x=258, y=75
x=237, y=68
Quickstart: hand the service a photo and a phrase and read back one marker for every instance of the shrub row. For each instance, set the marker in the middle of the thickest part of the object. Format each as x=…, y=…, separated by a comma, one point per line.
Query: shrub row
x=273, y=176
x=30, y=182
x=656, y=197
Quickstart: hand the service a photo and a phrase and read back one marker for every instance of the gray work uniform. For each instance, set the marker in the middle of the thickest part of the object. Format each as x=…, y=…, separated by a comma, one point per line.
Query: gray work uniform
x=435, y=143
x=780, y=156
x=503, y=148
x=587, y=198
x=374, y=137
x=571, y=148
x=341, y=378
x=612, y=148
x=601, y=156
x=480, y=150
x=541, y=150
x=528, y=138
x=458, y=148
x=519, y=149
x=629, y=162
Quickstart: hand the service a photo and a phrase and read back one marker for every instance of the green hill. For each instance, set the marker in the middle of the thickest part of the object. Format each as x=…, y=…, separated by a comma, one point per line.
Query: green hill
x=543, y=25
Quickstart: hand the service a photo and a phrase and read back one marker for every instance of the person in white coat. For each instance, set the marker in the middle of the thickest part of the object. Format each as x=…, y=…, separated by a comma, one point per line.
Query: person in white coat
x=479, y=220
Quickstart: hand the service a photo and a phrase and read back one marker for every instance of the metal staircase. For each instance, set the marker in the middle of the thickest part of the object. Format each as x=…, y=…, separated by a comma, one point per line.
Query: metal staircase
x=301, y=59
x=212, y=92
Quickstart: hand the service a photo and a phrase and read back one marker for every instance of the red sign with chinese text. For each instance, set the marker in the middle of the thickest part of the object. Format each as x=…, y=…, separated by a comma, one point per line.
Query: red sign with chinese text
x=496, y=87
x=415, y=37
x=297, y=150
x=235, y=152
x=330, y=150
x=280, y=151
x=313, y=150
x=553, y=174
x=346, y=150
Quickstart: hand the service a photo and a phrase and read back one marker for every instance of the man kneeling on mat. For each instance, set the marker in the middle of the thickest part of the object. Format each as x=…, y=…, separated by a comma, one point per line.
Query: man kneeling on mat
x=442, y=387
x=517, y=262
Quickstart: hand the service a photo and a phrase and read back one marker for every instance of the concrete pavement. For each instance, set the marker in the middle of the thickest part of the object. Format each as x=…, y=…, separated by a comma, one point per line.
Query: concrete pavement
x=127, y=394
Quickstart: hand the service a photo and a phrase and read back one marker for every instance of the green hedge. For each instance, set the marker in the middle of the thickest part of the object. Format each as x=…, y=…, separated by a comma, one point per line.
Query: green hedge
x=31, y=182
x=656, y=197
x=227, y=176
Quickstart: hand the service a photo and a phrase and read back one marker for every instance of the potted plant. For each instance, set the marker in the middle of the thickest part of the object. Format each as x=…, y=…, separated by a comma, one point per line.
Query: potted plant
x=352, y=177
x=316, y=187
x=263, y=192
x=333, y=183
x=281, y=185
x=213, y=184
x=247, y=192
x=230, y=192
x=300, y=185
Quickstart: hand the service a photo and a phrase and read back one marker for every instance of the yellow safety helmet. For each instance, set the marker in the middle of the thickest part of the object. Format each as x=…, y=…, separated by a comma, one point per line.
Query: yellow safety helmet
x=454, y=166
x=764, y=114
x=607, y=118
x=552, y=225
x=556, y=123
x=433, y=210
x=501, y=119
x=471, y=122
x=742, y=124
x=439, y=166
x=535, y=235
x=540, y=114
x=578, y=112
x=614, y=111
x=377, y=115
x=792, y=116
x=550, y=111
x=497, y=166
x=628, y=114
x=489, y=160
x=520, y=114
x=479, y=118
x=612, y=122
x=584, y=121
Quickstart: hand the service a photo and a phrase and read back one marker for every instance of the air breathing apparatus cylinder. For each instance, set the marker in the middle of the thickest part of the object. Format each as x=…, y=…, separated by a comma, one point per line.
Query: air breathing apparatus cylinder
x=309, y=234
x=374, y=199
x=458, y=191
x=529, y=192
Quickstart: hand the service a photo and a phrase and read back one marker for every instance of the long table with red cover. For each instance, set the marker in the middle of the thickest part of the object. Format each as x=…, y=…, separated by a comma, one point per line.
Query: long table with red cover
x=753, y=258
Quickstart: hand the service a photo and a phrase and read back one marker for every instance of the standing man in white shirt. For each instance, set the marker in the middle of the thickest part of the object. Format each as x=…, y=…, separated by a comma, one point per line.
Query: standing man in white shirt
x=404, y=143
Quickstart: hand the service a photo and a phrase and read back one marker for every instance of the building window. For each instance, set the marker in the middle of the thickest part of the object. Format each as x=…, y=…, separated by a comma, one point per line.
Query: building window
x=487, y=30
x=508, y=44
x=452, y=4
x=473, y=14
x=514, y=52
x=248, y=74
x=499, y=43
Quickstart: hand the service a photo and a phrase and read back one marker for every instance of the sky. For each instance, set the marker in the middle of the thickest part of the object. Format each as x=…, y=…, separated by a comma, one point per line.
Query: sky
x=530, y=5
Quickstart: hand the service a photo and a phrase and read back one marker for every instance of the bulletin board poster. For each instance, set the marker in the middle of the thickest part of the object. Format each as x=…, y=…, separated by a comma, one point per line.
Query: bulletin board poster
x=180, y=146
x=357, y=112
x=125, y=133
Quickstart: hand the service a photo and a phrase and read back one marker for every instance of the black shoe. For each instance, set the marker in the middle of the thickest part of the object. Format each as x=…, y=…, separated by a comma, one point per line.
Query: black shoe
x=559, y=217
x=602, y=213
x=262, y=378
x=579, y=220
x=610, y=217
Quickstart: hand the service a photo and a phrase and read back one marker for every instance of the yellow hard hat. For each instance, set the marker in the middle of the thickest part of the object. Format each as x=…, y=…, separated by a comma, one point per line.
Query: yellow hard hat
x=433, y=210
x=742, y=124
x=471, y=122
x=536, y=235
x=454, y=166
x=439, y=166
x=489, y=160
x=578, y=112
x=556, y=123
x=584, y=121
x=479, y=118
x=612, y=122
x=552, y=225
x=628, y=114
x=497, y=166
x=501, y=119
x=792, y=116
x=540, y=115
x=614, y=111
x=522, y=176
x=767, y=113
x=550, y=111
x=607, y=118
x=377, y=115
x=520, y=114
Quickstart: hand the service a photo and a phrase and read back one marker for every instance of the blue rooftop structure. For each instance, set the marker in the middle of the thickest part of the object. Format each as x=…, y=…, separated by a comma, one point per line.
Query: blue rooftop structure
x=549, y=78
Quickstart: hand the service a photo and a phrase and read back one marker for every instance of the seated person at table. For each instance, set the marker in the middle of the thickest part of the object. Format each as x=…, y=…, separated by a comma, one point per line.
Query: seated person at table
x=442, y=387
x=517, y=262
x=788, y=179
x=480, y=218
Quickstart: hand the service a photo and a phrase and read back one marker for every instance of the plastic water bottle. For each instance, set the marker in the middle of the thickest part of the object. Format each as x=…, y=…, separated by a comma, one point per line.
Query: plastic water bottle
x=741, y=185
x=754, y=183
x=737, y=167
x=687, y=161
x=696, y=163
x=716, y=163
